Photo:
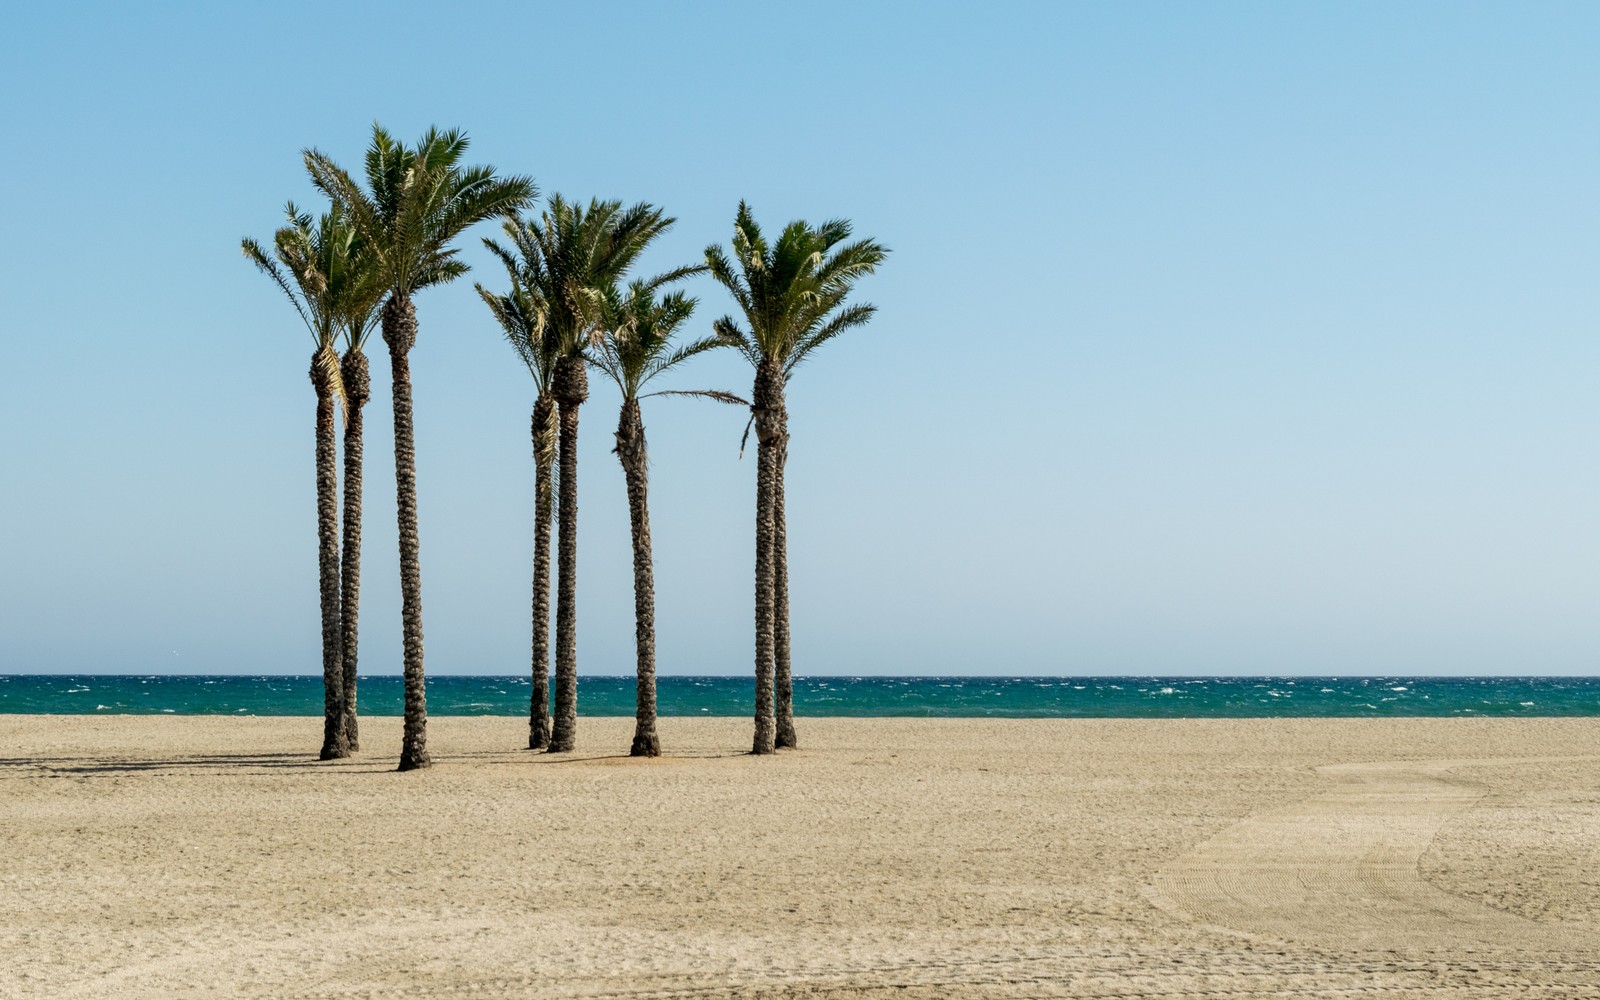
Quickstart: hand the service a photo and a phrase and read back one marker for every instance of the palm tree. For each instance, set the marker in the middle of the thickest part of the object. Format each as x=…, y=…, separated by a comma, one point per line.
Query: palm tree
x=637, y=348
x=792, y=293
x=357, y=380
x=420, y=200
x=566, y=259
x=327, y=276
x=522, y=318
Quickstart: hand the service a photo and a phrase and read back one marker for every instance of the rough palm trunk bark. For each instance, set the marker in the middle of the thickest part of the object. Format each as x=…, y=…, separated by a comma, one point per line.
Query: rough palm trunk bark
x=399, y=333
x=767, y=390
x=333, y=739
x=544, y=448
x=358, y=389
x=782, y=678
x=570, y=386
x=635, y=469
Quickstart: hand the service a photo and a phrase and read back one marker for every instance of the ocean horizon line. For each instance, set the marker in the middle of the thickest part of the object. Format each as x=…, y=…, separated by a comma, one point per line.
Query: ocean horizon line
x=841, y=695
x=1175, y=675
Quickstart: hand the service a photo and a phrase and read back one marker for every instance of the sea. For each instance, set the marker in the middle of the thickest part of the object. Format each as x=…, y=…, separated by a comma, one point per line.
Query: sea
x=913, y=697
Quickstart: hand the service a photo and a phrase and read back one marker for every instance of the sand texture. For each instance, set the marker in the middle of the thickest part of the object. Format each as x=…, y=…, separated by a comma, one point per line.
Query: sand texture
x=897, y=858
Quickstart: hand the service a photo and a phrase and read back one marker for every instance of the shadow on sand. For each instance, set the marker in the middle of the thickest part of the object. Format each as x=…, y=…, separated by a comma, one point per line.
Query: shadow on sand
x=19, y=767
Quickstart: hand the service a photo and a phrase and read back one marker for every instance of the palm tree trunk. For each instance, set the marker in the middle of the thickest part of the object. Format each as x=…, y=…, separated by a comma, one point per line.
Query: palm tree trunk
x=635, y=469
x=544, y=447
x=764, y=395
x=400, y=332
x=782, y=679
x=333, y=741
x=570, y=386
x=358, y=389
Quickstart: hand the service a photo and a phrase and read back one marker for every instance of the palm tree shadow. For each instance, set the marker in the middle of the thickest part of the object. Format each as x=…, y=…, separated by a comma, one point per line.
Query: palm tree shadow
x=512, y=757
x=21, y=767
x=180, y=763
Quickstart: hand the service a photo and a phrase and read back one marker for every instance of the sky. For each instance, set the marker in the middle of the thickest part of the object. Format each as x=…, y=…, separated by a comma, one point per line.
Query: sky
x=1228, y=338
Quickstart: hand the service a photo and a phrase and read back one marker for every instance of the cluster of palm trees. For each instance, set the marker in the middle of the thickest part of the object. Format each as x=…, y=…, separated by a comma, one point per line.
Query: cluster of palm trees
x=571, y=305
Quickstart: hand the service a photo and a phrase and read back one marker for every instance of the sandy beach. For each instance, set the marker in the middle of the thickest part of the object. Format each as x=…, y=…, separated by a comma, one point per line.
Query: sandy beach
x=213, y=857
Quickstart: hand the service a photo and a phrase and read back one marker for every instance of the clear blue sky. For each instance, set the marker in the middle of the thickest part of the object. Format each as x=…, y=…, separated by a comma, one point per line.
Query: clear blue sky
x=1217, y=338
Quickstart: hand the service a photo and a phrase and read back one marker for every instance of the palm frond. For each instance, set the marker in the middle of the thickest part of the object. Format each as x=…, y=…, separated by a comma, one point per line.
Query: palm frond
x=437, y=272
x=846, y=265
x=728, y=330
x=512, y=265
x=673, y=276
x=254, y=253
x=721, y=270
x=331, y=179
x=856, y=315
x=665, y=364
x=476, y=195
x=716, y=394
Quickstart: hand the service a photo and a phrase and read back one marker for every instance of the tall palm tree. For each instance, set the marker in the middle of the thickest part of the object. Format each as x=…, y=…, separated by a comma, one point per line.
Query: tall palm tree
x=792, y=293
x=324, y=271
x=522, y=315
x=357, y=325
x=567, y=258
x=420, y=200
x=637, y=348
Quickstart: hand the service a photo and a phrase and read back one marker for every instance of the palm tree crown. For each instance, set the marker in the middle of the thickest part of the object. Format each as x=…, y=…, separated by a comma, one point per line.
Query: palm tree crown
x=567, y=258
x=792, y=292
x=522, y=318
x=637, y=342
x=420, y=200
x=327, y=272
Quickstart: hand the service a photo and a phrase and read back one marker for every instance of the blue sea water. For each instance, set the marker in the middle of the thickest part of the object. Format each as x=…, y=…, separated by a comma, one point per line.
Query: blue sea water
x=948, y=697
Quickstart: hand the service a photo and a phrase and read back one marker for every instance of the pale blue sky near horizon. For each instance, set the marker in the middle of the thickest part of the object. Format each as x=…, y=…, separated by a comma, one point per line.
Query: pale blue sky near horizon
x=1225, y=338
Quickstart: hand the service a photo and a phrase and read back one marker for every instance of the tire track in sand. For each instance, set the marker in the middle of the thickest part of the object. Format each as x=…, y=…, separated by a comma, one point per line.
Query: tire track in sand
x=1339, y=870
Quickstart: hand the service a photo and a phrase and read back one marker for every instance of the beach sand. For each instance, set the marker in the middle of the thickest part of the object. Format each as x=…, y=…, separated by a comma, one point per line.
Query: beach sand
x=905, y=858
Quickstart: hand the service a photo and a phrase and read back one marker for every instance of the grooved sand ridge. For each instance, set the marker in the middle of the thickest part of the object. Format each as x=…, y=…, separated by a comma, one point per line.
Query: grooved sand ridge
x=1340, y=869
x=1237, y=859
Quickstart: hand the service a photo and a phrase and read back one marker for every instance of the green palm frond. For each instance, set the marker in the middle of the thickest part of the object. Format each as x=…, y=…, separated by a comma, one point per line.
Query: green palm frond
x=728, y=330
x=606, y=363
x=437, y=272
x=722, y=271
x=329, y=178
x=841, y=269
x=474, y=195
x=856, y=315
x=507, y=260
x=682, y=354
x=254, y=253
x=673, y=276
